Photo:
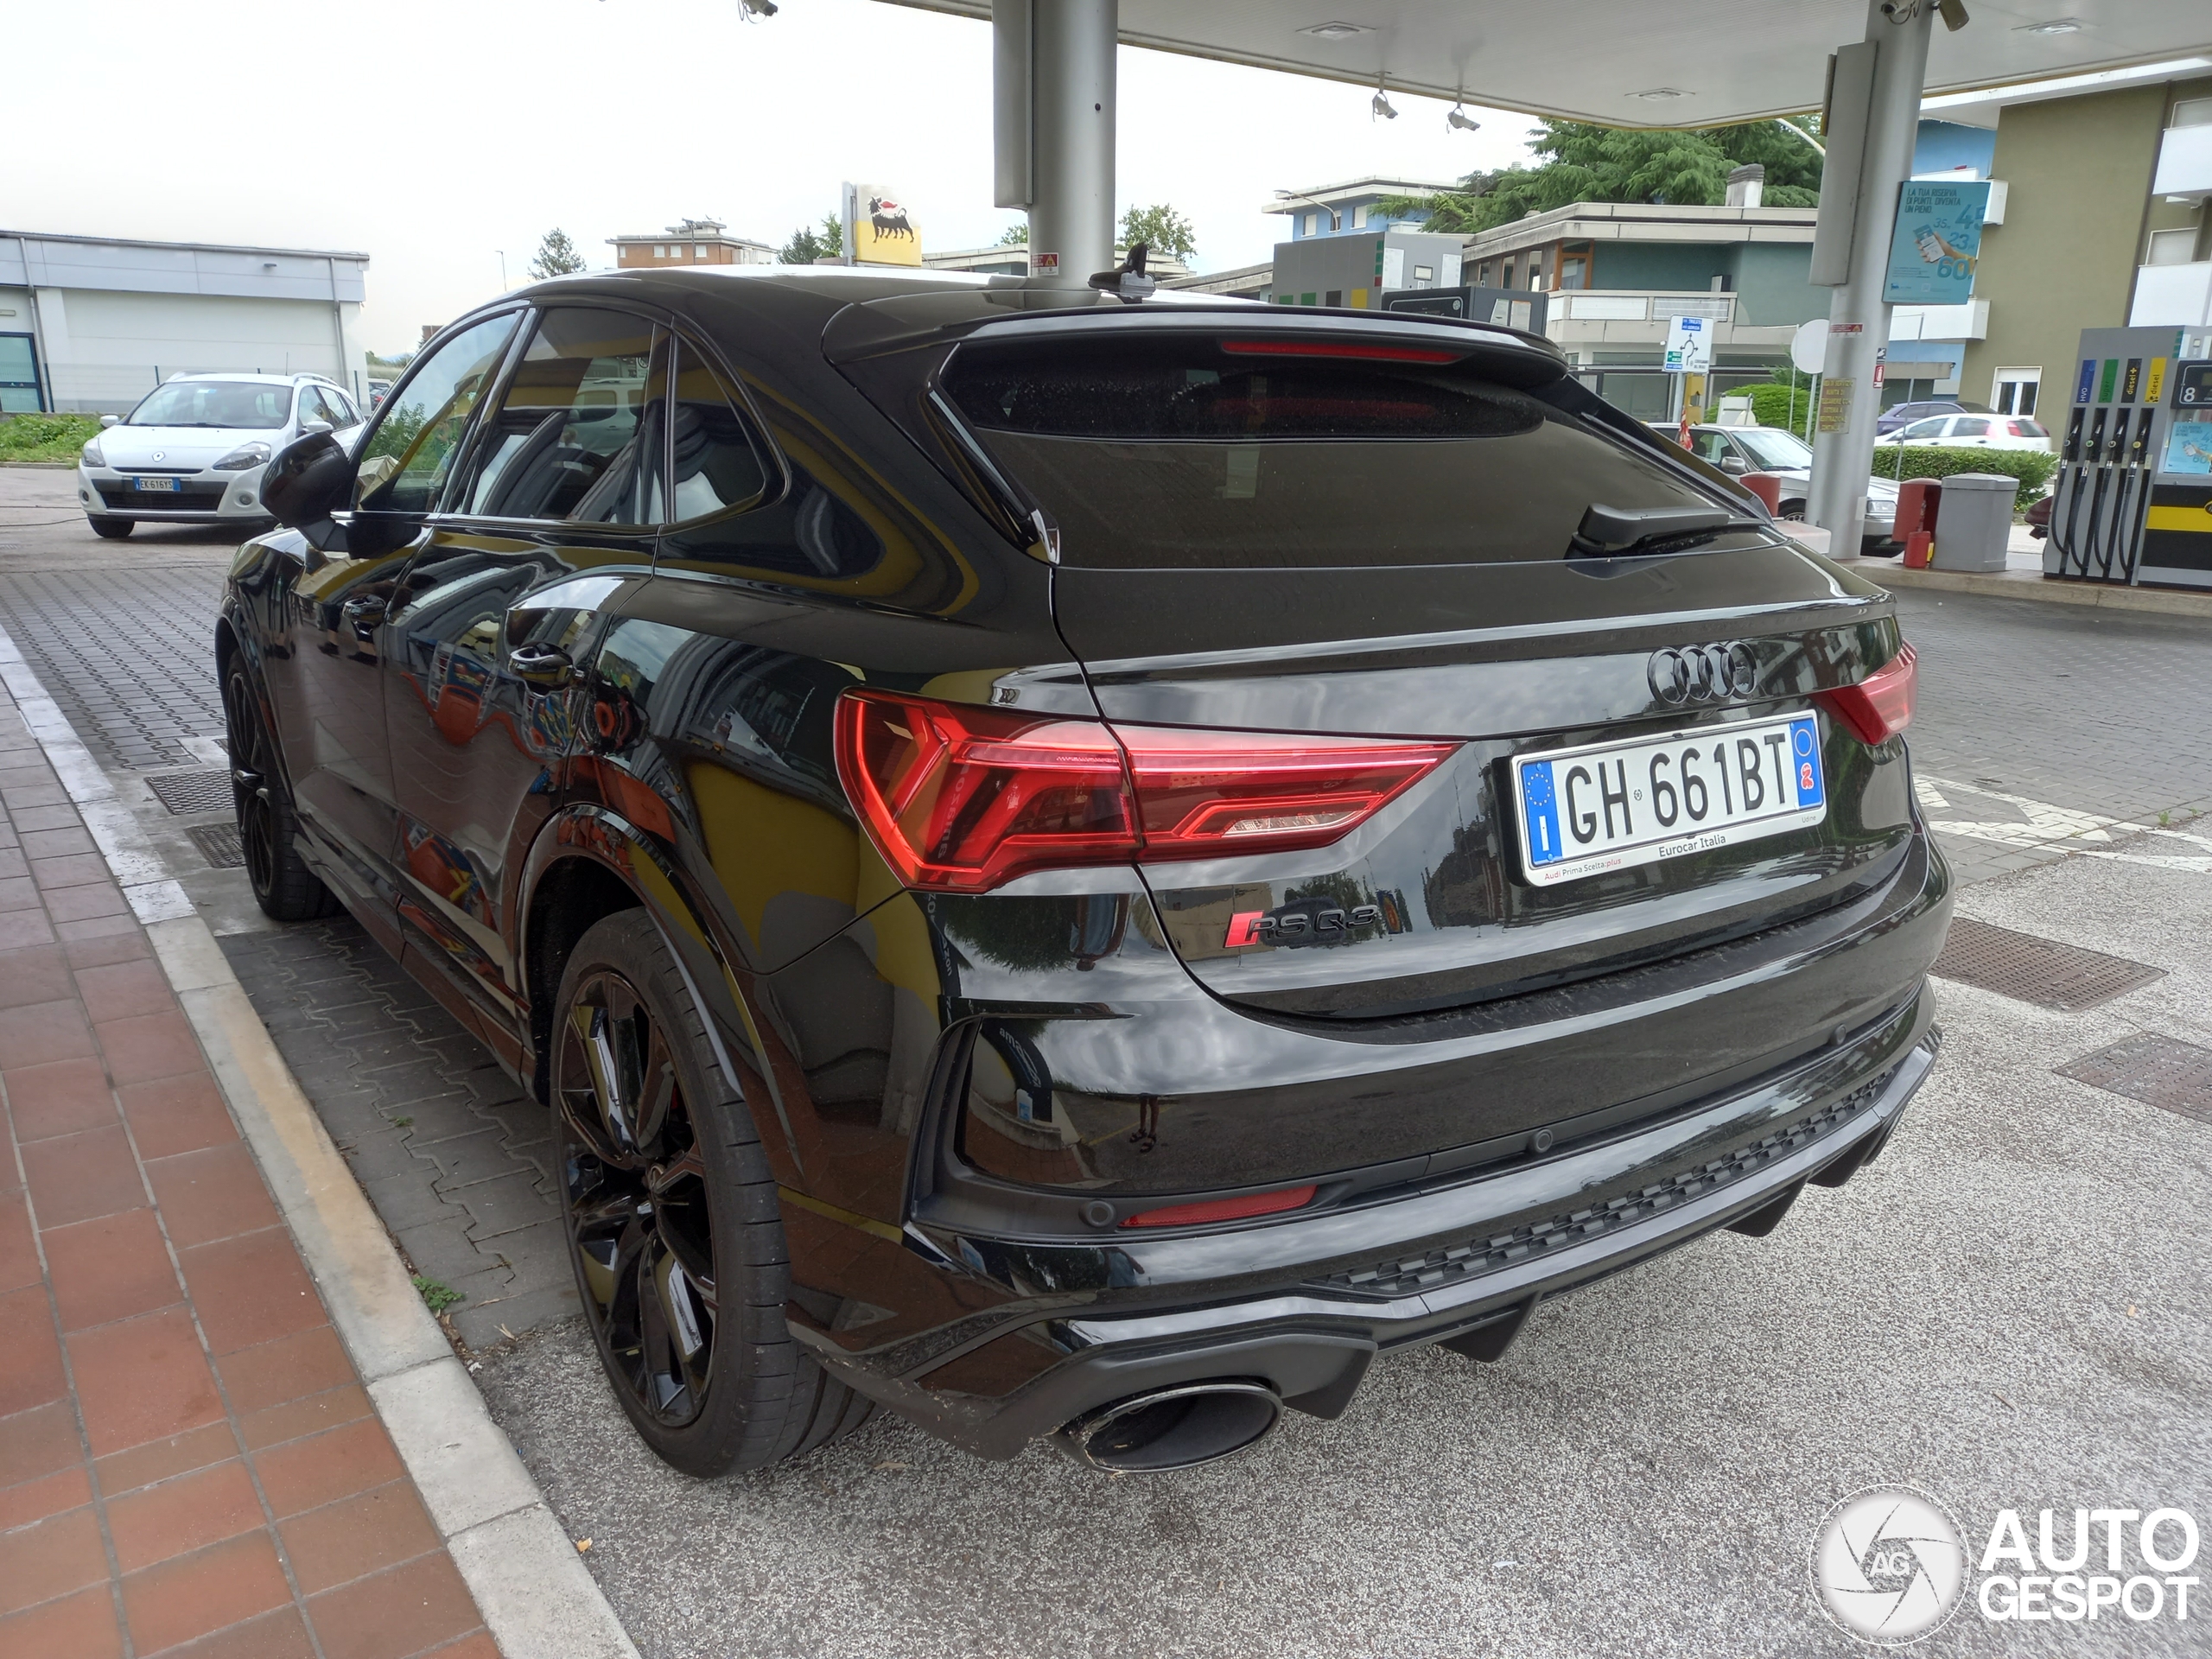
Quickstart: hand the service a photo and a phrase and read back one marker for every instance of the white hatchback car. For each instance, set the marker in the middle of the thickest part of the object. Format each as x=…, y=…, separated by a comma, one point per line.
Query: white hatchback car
x=192, y=452
x=1971, y=432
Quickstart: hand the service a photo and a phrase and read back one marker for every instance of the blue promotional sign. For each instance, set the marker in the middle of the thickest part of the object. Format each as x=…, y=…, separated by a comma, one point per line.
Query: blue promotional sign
x=1937, y=241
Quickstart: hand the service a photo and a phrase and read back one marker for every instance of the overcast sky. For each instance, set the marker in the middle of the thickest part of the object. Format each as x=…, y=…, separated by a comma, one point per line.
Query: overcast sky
x=431, y=133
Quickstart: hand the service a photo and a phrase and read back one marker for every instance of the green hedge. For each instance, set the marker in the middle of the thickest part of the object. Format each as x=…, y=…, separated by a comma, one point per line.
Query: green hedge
x=2032, y=466
x=46, y=437
x=1774, y=405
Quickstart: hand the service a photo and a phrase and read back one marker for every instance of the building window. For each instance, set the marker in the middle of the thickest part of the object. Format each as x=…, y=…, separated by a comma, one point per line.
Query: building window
x=1575, y=265
x=2013, y=391
x=660, y=253
x=698, y=253
x=1309, y=223
x=2172, y=247
x=1359, y=217
x=1506, y=280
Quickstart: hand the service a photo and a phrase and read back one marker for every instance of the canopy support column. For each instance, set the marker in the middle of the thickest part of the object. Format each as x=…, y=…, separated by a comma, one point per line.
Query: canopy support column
x=1874, y=118
x=1053, y=102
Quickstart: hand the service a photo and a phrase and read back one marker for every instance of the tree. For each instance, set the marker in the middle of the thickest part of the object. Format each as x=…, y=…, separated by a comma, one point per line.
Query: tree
x=1161, y=228
x=556, y=255
x=1592, y=163
x=807, y=244
x=1015, y=235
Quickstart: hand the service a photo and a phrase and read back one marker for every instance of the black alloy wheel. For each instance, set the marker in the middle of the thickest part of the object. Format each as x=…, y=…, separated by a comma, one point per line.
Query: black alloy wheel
x=284, y=885
x=671, y=1213
x=638, y=1216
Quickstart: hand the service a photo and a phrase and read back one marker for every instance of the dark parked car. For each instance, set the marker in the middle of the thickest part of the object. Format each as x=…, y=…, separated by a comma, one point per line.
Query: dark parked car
x=1072, y=866
x=1899, y=415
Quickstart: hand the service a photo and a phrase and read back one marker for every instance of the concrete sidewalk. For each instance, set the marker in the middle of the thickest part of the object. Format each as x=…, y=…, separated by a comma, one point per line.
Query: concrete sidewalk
x=188, y=1461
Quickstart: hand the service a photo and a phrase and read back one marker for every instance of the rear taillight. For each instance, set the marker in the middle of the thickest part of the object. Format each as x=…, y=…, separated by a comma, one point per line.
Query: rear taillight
x=1879, y=706
x=961, y=799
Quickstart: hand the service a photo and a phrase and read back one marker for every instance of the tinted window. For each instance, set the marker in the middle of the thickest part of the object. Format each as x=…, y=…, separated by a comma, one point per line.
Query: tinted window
x=215, y=403
x=417, y=437
x=1181, y=453
x=577, y=434
x=714, y=464
x=1970, y=427
x=1923, y=430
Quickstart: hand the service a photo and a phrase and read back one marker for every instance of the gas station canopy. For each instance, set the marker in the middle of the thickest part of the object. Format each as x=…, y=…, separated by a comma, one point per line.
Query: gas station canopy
x=1637, y=63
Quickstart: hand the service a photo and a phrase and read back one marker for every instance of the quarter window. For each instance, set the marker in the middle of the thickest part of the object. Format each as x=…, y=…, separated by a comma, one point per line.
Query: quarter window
x=715, y=464
x=578, y=432
x=411, y=455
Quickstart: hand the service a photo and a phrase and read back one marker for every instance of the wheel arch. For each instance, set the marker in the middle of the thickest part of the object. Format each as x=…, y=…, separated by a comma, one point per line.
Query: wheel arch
x=589, y=862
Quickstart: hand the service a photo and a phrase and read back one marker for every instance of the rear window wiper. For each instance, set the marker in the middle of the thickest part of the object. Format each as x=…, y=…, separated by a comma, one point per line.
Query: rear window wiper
x=1609, y=532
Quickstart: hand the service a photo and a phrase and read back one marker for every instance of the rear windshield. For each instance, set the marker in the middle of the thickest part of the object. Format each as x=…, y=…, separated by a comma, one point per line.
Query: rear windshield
x=1211, y=453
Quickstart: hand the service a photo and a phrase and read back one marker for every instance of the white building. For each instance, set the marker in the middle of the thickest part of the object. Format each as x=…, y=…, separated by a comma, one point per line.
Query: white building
x=92, y=324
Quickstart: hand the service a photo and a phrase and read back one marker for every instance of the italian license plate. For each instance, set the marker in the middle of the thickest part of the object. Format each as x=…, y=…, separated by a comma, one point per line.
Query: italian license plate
x=168, y=484
x=1609, y=806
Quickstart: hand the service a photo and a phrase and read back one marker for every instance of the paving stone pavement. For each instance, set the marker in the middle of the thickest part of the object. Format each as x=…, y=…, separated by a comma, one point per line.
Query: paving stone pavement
x=188, y=1462
x=455, y=1157
x=128, y=655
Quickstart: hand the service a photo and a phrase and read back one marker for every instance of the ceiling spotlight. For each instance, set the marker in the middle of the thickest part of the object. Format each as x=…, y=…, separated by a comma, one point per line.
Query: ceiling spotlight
x=1379, y=108
x=2056, y=26
x=1461, y=121
x=1336, y=31
x=1660, y=94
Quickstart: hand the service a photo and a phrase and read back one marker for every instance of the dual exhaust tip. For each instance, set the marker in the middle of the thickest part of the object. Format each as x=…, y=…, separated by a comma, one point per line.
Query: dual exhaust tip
x=1174, y=1428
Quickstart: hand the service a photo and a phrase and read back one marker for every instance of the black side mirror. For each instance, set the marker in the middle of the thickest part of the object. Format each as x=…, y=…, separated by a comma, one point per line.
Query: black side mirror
x=307, y=480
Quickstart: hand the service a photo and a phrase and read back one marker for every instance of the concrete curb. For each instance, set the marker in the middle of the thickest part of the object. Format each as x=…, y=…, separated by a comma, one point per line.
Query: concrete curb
x=537, y=1596
x=2027, y=584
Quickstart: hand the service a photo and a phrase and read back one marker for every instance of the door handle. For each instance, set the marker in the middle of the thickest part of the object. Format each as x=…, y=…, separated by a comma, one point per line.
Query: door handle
x=541, y=664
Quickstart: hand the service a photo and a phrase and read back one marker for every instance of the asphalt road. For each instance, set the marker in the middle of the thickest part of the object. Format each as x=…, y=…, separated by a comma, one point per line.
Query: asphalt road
x=1641, y=1474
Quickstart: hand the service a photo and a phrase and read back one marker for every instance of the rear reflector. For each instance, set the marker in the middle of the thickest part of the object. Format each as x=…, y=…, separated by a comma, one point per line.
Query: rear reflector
x=962, y=799
x=1257, y=1204
x=1337, y=349
x=1879, y=706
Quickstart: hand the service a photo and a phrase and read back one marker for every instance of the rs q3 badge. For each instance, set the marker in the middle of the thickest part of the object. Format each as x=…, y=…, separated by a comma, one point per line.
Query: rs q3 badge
x=1302, y=921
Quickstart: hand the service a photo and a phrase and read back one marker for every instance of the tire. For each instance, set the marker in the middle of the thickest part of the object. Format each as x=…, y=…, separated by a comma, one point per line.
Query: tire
x=1792, y=511
x=109, y=529
x=673, y=1226
x=284, y=885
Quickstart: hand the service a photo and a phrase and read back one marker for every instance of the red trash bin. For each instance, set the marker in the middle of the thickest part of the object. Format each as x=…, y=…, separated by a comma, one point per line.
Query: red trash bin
x=1917, y=500
x=1766, y=486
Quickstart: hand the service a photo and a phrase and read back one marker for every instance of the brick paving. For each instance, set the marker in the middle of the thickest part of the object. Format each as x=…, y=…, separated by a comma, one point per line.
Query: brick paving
x=456, y=1157
x=127, y=654
x=188, y=1464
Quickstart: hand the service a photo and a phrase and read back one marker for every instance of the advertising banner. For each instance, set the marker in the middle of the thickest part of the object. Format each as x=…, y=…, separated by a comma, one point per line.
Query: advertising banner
x=1937, y=241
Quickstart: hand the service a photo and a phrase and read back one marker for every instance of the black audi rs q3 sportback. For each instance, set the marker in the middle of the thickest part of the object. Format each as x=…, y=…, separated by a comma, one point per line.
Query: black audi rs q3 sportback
x=1081, y=867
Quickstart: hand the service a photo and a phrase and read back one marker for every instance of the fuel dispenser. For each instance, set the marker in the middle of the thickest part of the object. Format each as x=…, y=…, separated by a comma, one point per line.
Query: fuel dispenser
x=2133, y=499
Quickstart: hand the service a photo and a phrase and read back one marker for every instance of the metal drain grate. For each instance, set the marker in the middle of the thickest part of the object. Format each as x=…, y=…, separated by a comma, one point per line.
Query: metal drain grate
x=2155, y=1070
x=184, y=792
x=219, y=845
x=2035, y=970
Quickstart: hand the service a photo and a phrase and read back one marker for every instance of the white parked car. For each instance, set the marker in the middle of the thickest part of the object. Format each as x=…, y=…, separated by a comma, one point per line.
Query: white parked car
x=1971, y=432
x=192, y=452
x=1739, y=450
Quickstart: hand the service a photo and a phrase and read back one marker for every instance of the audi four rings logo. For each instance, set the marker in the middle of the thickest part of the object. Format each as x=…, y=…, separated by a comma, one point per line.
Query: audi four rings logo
x=1689, y=674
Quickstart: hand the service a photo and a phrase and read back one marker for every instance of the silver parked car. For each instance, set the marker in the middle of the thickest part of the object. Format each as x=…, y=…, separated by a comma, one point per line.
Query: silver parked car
x=192, y=452
x=1740, y=449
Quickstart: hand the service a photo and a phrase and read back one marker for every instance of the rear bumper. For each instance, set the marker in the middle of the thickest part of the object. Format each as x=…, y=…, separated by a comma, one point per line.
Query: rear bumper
x=1306, y=1305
